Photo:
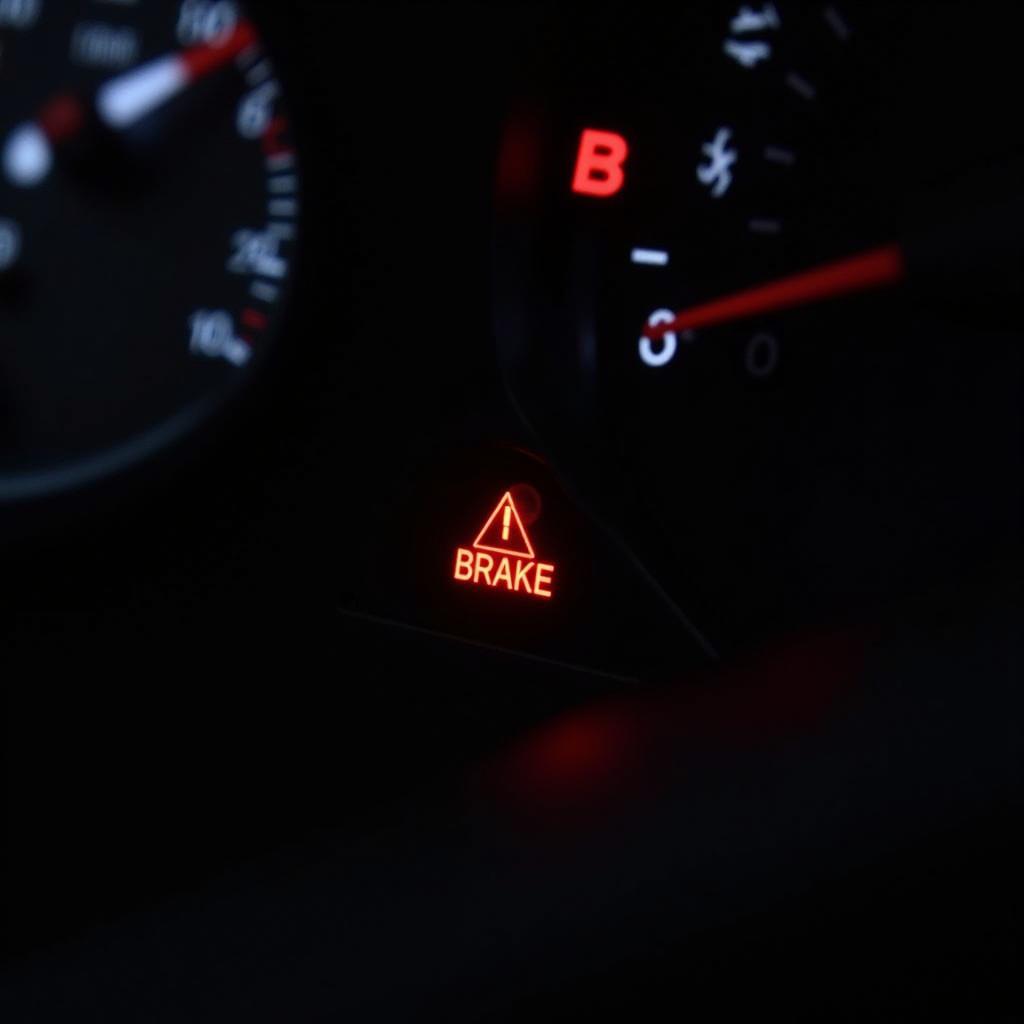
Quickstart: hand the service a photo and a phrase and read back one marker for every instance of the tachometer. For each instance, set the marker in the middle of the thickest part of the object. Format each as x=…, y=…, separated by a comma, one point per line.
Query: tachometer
x=148, y=214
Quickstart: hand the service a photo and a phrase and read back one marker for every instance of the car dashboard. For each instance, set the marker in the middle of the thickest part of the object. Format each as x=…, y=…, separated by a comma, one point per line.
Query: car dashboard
x=510, y=511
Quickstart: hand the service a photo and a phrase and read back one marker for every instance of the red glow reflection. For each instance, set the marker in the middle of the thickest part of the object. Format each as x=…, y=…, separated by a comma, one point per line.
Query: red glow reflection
x=628, y=747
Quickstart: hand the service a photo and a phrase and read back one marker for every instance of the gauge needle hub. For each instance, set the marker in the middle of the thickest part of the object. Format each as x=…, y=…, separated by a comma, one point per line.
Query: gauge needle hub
x=27, y=155
x=875, y=268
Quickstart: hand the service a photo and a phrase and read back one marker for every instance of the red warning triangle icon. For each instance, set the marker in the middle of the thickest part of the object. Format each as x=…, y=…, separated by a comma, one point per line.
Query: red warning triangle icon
x=504, y=533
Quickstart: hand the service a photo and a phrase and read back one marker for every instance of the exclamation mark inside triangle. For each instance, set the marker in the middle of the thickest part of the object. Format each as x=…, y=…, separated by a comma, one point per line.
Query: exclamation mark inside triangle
x=504, y=533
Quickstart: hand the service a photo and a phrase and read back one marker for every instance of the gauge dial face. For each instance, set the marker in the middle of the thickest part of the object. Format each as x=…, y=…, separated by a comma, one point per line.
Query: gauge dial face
x=758, y=278
x=148, y=210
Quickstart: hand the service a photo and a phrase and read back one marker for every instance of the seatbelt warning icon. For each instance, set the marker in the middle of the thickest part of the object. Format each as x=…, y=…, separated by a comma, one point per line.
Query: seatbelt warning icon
x=516, y=568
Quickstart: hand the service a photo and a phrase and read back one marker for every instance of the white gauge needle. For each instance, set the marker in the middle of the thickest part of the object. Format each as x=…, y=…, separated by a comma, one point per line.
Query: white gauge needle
x=127, y=99
x=121, y=103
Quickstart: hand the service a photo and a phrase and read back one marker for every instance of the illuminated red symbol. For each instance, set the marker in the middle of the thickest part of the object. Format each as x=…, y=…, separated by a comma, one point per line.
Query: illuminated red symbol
x=517, y=569
x=508, y=537
x=599, y=163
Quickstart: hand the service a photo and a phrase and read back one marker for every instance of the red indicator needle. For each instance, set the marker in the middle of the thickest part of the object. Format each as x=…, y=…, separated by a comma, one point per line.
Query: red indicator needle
x=875, y=268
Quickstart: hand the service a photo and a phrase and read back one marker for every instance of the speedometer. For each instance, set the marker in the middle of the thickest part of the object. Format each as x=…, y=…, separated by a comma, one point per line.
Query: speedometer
x=758, y=264
x=148, y=212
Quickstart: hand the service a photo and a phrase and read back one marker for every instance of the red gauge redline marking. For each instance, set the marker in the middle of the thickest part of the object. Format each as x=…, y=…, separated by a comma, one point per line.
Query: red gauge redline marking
x=516, y=568
x=272, y=142
x=205, y=58
x=254, y=318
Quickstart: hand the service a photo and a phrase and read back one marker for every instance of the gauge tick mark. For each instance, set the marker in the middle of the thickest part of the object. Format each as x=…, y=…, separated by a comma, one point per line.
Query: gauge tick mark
x=259, y=73
x=779, y=155
x=283, y=208
x=837, y=23
x=264, y=291
x=286, y=184
x=248, y=56
x=649, y=257
x=282, y=230
x=280, y=162
x=801, y=86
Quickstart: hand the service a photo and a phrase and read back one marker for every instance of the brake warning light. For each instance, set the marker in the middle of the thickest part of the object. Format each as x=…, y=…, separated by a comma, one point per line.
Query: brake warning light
x=502, y=556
